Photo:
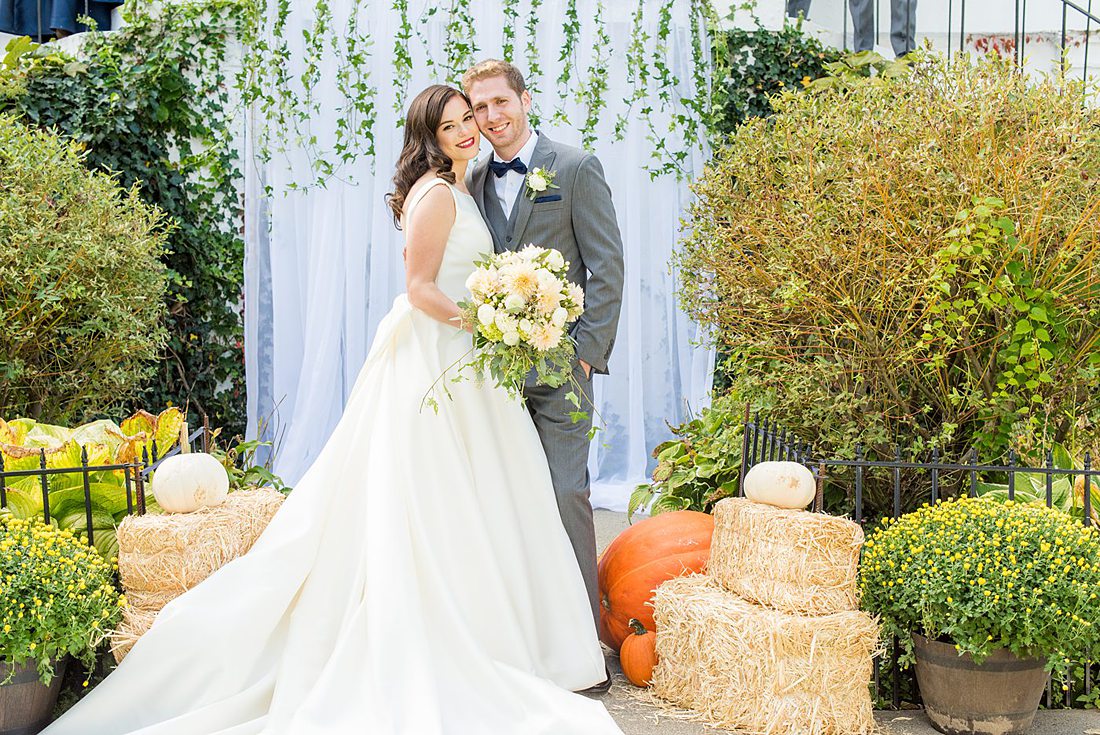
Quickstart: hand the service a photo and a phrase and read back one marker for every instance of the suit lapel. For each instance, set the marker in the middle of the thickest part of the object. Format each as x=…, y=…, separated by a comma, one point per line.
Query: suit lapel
x=477, y=186
x=543, y=157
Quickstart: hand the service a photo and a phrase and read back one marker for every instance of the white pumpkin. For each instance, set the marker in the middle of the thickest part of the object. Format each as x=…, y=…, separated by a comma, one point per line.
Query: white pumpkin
x=782, y=484
x=189, y=480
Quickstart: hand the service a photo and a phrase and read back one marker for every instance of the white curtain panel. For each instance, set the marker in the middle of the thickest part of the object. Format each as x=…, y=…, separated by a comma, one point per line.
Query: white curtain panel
x=324, y=264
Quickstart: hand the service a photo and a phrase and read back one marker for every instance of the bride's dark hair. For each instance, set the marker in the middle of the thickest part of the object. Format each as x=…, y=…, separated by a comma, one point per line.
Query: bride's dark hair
x=421, y=152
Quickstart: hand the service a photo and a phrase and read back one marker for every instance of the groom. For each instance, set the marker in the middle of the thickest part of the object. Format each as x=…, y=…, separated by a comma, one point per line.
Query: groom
x=575, y=216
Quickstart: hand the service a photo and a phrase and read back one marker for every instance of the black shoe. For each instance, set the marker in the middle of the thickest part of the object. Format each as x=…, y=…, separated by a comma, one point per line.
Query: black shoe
x=602, y=688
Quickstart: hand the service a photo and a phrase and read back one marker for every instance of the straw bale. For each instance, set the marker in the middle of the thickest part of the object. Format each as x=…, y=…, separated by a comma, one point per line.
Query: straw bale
x=135, y=622
x=793, y=561
x=170, y=553
x=759, y=671
x=152, y=601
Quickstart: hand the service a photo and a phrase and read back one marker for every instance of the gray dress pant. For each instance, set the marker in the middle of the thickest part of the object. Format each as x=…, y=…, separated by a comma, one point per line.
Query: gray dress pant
x=566, y=443
x=798, y=7
x=903, y=25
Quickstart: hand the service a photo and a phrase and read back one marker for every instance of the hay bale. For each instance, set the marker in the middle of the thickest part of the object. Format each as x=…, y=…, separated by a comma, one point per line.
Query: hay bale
x=789, y=560
x=153, y=601
x=171, y=553
x=135, y=622
x=755, y=670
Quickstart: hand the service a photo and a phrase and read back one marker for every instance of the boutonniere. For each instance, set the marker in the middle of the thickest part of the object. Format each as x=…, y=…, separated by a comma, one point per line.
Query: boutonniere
x=538, y=181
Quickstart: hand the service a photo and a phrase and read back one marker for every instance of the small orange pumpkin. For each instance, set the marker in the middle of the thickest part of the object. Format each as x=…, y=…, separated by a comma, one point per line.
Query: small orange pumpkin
x=638, y=655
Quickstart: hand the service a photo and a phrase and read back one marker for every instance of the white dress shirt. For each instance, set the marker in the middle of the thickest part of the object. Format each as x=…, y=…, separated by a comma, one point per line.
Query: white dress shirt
x=509, y=185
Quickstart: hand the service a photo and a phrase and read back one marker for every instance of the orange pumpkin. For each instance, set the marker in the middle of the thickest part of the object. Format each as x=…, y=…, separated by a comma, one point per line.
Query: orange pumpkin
x=640, y=558
x=638, y=655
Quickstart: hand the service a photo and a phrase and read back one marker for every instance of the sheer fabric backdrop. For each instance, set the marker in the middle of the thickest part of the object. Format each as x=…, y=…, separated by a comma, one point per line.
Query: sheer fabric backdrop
x=323, y=265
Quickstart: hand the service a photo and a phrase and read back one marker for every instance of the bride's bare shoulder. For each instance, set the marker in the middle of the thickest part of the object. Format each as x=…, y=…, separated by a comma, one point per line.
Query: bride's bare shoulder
x=435, y=204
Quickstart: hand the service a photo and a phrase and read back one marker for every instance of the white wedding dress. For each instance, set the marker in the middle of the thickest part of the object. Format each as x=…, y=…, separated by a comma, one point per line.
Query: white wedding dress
x=417, y=581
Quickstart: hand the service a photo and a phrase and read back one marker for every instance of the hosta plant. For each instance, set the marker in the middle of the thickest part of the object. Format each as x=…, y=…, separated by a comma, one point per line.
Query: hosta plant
x=986, y=574
x=1067, y=492
x=57, y=596
x=23, y=443
x=697, y=468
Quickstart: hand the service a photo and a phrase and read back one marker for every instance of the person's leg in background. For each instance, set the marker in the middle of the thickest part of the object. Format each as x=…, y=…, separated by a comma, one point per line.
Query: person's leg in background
x=798, y=7
x=903, y=26
x=863, y=24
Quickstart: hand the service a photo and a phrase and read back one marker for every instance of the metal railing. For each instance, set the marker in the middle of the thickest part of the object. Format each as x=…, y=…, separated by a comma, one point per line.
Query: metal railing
x=135, y=475
x=958, y=34
x=764, y=440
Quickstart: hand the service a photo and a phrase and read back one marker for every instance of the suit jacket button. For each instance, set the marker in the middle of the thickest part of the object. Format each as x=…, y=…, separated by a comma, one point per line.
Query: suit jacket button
x=509, y=239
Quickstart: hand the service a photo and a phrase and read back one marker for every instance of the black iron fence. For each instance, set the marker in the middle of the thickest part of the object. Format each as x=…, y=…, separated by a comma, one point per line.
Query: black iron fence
x=1074, y=13
x=765, y=440
x=135, y=475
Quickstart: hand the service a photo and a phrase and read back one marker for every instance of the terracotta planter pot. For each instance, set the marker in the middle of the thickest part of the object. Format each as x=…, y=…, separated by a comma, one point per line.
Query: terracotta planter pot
x=25, y=702
x=999, y=697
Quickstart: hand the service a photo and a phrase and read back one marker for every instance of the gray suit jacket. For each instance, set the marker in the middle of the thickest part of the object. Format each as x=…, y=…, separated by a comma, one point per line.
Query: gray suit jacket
x=578, y=219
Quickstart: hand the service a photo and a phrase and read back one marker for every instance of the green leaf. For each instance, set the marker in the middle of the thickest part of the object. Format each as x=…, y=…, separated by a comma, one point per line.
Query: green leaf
x=639, y=499
x=47, y=436
x=24, y=503
x=1063, y=460
x=107, y=499
x=674, y=450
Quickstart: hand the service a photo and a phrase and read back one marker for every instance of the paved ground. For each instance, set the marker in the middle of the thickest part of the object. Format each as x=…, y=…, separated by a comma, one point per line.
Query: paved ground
x=638, y=718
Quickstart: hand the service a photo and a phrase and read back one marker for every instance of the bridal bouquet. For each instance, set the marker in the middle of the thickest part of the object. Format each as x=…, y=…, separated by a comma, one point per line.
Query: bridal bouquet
x=520, y=306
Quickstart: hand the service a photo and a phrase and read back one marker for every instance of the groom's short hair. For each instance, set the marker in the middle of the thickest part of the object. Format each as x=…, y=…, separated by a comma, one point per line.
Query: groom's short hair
x=494, y=68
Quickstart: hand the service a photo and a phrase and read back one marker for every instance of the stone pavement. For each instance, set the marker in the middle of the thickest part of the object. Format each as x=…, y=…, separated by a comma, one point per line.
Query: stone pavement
x=639, y=718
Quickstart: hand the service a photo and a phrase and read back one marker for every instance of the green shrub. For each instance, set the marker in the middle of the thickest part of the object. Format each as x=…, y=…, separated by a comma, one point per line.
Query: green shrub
x=909, y=258
x=987, y=575
x=751, y=66
x=151, y=104
x=81, y=282
x=700, y=466
x=57, y=596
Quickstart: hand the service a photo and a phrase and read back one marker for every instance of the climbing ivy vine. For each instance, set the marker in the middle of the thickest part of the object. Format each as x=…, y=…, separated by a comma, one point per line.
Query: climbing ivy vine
x=442, y=39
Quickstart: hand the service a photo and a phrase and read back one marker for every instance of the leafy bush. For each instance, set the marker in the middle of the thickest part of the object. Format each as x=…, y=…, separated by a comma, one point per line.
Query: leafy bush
x=81, y=282
x=750, y=66
x=150, y=102
x=57, y=596
x=909, y=258
x=699, y=467
x=987, y=575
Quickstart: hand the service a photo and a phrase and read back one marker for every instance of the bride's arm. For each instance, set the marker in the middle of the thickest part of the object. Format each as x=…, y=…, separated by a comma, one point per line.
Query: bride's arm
x=425, y=240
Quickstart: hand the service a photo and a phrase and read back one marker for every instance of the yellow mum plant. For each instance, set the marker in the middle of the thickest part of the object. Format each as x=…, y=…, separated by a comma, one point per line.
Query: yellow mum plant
x=985, y=575
x=57, y=596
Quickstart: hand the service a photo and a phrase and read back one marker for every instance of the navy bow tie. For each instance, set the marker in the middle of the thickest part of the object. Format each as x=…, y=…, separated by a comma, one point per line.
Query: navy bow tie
x=500, y=168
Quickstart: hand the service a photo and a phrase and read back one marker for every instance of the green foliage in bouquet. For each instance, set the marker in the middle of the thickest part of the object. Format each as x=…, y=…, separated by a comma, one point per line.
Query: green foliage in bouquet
x=908, y=258
x=519, y=309
x=23, y=442
x=986, y=575
x=152, y=104
x=697, y=468
x=57, y=596
x=81, y=282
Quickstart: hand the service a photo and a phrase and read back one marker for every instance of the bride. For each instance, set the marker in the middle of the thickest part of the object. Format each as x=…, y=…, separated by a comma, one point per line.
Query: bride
x=418, y=580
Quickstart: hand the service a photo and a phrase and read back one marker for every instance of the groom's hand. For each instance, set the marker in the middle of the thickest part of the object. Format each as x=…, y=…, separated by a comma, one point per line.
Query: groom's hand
x=587, y=369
